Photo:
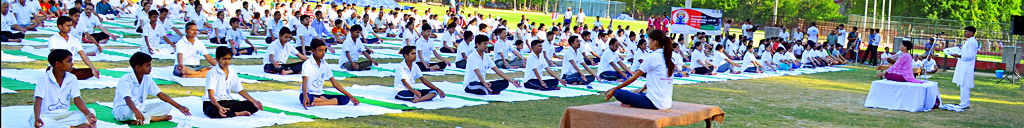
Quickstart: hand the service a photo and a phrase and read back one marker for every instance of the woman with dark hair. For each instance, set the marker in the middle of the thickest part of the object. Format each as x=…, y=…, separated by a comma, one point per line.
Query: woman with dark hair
x=902, y=70
x=658, y=70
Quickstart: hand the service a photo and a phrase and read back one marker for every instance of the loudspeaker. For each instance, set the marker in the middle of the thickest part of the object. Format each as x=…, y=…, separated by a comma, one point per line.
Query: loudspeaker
x=1017, y=25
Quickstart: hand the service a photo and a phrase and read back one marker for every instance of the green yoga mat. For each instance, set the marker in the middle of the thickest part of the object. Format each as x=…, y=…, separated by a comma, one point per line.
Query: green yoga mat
x=118, y=74
x=376, y=102
x=106, y=114
x=16, y=85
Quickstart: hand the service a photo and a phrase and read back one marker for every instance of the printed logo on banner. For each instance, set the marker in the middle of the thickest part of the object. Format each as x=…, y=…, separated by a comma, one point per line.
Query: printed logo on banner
x=693, y=20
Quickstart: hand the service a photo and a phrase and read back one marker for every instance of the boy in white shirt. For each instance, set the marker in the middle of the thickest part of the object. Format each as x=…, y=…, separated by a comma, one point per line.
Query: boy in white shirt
x=153, y=33
x=189, y=51
x=278, y=53
x=611, y=66
x=81, y=31
x=318, y=71
x=55, y=92
x=235, y=36
x=572, y=60
x=533, y=70
x=131, y=92
x=306, y=34
x=503, y=49
x=220, y=83
x=474, y=80
x=406, y=75
x=464, y=48
x=352, y=47
x=449, y=39
x=425, y=49
x=64, y=40
x=89, y=20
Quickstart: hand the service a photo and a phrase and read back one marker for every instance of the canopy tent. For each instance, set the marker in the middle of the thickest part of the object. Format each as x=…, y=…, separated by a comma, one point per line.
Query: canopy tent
x=624, y=17
x=386, y=4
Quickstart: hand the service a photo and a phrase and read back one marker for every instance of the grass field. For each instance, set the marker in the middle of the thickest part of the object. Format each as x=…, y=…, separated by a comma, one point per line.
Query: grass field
x=832, y=99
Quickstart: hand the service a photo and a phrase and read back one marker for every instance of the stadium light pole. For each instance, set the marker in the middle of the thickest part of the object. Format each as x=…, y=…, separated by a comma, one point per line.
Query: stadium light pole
x=775, y=13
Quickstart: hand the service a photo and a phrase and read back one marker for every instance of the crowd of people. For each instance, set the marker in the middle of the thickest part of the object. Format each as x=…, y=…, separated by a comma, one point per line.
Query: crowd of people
x=308, y=31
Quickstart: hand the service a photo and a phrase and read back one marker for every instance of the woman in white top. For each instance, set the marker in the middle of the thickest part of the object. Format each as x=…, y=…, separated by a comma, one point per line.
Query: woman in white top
x=474, y=78
x=406, y=75
x=658, y=73
x=699, y=61
x=750, y=62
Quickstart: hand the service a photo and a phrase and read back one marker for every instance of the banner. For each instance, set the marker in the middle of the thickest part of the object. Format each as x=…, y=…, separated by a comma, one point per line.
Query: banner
x=693, y=20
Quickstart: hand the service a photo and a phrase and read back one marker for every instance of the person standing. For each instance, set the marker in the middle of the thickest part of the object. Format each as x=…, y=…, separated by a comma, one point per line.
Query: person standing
x=854, y=46
x=568, y=17
x=812, y=34
x=872, y=48
x=963, y=76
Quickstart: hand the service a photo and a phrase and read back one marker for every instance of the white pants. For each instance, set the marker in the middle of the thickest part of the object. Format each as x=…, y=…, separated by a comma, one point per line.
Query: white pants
x=965, y=96
x=90, y=49
x=61, y=119
x=148, y=110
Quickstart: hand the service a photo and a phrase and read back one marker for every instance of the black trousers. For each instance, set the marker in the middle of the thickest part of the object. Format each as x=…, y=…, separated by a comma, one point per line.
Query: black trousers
x=535, y=84
x=447, y=50
x=295, y=67
x=221, y=40
x=5, y=36
x=426, y=67
x=479, y=89
x=100, y=36
x=872, y=53
x=232, y=106
x=460, y=64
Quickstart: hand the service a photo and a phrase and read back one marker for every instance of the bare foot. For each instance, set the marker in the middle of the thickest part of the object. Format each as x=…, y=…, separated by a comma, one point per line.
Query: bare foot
x=624, y=105
x=286, y=72
x=243, y=113
x=160, y=118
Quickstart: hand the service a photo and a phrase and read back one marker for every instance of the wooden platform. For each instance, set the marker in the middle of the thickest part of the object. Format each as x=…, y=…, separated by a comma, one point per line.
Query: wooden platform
x=612, y=115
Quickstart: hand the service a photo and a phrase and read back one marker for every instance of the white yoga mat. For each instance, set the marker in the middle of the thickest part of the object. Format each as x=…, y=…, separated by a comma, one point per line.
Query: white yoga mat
x=213, y=53
x=8, y=91
x=387, y=94
x=701, y=78
x=132, y=51
x=257, y=70
x=17, y=117
x=165, y=73
x=14, y=58
x=367, y=73
x=563, y=92
x=98, y=57
x=505, y=96
x=198, y=119
x=288, y=100
x=33, y=75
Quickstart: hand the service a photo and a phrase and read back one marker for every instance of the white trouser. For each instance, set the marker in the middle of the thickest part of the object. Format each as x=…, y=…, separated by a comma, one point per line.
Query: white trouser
x=61, y=119
x=90, y=49
x=148, y=110
x=965, y=96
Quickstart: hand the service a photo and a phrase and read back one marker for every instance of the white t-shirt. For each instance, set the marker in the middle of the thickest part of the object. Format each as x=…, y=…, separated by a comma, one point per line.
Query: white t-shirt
x=465, y=47
x=579, y=17
x=695, y=56
x=812, y=34
x=504, y=47
x=129, y=86
x=535, y=62
x=574, y=55
x=307, y=33
x=745, y=32
x=237, y=35
x=778, y=57
x=72, y=44
x=87, y=23
x=354, y=47
x=280, y=53
x=450, y=39
x=8, y=21
x=56, y=98
x=608, y=58
x=659, y=84
x=766, y=57
x=474, y=62
x=154, y=35
x=406, y=73
x=215, y=80
x=748, y=61
x=425, y=47
x=23, y=12
x=316, y=75
x=718, y=58
x=191, y=52
x=222, y=27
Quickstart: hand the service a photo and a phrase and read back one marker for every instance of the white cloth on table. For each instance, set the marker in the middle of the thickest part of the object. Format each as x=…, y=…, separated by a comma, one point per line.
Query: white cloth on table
x=288, y=100
x=904, y=96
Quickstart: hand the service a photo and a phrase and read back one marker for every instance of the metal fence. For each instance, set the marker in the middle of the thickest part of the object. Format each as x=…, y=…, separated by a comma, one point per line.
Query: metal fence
x=591, y=8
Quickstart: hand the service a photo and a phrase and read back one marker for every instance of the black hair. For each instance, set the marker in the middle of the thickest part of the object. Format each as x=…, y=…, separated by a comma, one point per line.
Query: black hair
x=971, y=29
x=57, y=55
x=407, y=50
x=585, y=33
x=780, y=49
x=284, y=30
x=908, y=44
x=550, y=33
x=450, y=25
x=426, y=28
x=153, y=13
x=73, y=11
x=467, y=34
x=719, y=47
x=63, y=19
x=496, y=31
x=223, y=51
x=192, y=24
x=659, y=36
x=519, y=42
x=220, y=13
x=234, y=20
x=481, y=39
x=304, y=17
x=357, y=28
x=162, y=10
x=535, y=43
x=139, y=58
x=316, y=43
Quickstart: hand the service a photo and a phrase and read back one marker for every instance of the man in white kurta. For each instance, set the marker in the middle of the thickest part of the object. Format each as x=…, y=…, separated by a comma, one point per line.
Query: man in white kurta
x=964, y=74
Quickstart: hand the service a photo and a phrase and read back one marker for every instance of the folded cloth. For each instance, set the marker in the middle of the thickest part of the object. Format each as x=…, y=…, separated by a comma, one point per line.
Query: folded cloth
x=257, y=70
x=198, y=119
x=387, y=94
x=165, y=73
x=287, y=100
x=98, y=57
x=32, y=76
x=18, y=117
x=613, y=115
x=14, y=58
x=459, y=90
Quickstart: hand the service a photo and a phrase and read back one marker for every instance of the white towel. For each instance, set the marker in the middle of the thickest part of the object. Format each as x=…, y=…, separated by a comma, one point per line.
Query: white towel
x=165, y=73
x=17, y=117
x=33, y=75
x=459, y=90
x=257, y=70
x=14, y=58
x=387, y=94
x=98, y=57
x=288, y=100
x=8, y=91
x=198, y=119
